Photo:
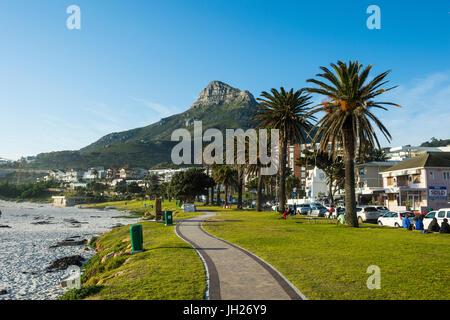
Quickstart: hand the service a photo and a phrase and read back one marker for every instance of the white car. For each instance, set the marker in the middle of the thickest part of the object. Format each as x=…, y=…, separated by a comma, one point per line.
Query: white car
x=367, y=214
x=304, y=208
x=395, y=219
x=438, y=214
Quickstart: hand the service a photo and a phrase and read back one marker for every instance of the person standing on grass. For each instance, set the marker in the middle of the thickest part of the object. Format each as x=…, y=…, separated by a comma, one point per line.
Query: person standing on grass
x=419, y=223
x=445, y=227
x=331, y=211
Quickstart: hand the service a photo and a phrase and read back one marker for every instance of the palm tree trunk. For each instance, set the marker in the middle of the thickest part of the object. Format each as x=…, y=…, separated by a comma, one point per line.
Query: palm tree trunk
x=349, y=161
x=330, y=191
x=240, y=185
x=211, y=191
x=218, y=194
x=207, y=191
x=282, y=174
x=259, y=191
x=226, y=195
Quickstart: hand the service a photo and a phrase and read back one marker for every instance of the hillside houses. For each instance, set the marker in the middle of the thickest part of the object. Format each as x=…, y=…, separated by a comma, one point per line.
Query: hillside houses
x=111, y=176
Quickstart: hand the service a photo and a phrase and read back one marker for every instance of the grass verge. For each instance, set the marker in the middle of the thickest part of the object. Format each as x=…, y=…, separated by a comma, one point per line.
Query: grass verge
x=327, y=261
x=168, y=269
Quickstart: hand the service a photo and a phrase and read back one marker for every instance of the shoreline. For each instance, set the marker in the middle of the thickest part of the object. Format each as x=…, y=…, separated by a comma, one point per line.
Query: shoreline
x=29, y=245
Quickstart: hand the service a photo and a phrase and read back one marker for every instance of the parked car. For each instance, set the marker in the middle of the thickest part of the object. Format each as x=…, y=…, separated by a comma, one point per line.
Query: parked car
x=438, y=214
x=317, y=210
x=382, y=209
x=367, y=214
x=395, y=219
x=304, y=208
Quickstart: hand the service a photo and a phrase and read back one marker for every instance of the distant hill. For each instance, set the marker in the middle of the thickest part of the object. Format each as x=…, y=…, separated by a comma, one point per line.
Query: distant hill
x=218, y=106
x=436, y=143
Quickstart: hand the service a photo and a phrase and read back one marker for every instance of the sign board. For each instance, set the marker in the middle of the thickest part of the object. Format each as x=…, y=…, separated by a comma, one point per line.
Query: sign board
x=437, y=193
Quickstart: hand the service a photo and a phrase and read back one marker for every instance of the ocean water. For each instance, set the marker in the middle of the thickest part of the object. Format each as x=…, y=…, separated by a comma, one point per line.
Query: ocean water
x=24, y=248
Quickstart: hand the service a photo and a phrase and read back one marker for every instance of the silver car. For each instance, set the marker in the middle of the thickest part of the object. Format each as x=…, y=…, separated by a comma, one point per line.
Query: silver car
x=367, y=214
x=304, y=208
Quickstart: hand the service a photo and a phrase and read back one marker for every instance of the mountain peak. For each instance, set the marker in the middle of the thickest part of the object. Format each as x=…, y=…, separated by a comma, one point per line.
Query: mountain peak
x=219, y=93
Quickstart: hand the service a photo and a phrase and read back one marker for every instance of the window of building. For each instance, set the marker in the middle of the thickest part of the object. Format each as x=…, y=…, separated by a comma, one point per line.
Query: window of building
x=432, y=175
x=447, y=175
x=362, y=171
x=416, y=178
x=390, y=181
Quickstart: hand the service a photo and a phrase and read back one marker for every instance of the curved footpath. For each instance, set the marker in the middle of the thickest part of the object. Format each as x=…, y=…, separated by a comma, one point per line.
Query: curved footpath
x=234, y=273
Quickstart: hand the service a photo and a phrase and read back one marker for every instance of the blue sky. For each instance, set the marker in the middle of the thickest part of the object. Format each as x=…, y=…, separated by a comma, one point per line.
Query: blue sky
x=134, y=62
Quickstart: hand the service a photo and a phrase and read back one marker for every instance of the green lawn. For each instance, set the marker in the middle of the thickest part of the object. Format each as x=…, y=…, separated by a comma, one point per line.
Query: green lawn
x=326, y=261
x=168, y=269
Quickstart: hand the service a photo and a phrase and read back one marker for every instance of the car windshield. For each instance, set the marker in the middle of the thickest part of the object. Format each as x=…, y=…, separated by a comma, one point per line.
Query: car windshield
x=430, y=215
x=406, y=213
x=370, y=209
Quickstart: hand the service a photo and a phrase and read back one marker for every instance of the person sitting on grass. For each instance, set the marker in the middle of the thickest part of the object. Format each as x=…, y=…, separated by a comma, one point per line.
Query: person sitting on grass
x=419, y=223
x=445, y=227
x=433, y=226
x=341, y=219
x=406, y=222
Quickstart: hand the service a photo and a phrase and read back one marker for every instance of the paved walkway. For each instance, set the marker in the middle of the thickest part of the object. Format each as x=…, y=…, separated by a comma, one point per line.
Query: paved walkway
x=234, y=273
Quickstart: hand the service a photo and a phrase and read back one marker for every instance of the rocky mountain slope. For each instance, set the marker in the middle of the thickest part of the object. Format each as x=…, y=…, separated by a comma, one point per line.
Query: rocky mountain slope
x=218, y=106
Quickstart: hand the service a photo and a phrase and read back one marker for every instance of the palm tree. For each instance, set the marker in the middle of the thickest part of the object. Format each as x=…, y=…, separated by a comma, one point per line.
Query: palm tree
x=287, y=112
x=227, y=176
x=255, y=169
x=215, y=173
x=347, y=122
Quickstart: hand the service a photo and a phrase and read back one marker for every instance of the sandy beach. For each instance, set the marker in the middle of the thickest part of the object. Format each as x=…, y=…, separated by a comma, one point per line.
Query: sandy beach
x=28, y=230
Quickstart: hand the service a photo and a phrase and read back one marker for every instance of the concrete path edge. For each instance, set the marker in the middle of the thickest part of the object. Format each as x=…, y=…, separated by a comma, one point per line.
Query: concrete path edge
x=282, y=280
x=212, y=280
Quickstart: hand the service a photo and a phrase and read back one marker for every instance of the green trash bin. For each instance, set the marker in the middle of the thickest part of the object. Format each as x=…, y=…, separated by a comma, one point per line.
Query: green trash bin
x=137, y=238
x=168, y=216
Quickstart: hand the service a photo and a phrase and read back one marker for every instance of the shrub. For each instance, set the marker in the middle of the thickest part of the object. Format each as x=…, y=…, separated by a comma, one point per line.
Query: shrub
x=78, y=294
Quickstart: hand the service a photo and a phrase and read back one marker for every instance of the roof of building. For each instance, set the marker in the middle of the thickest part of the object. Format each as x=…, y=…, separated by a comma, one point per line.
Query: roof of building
x=378, y=164
x=426, y=160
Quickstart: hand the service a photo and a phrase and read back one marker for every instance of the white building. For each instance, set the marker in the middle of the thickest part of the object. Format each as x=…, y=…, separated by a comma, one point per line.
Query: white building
x=72, y=176
x=166, y=174
x=94, y=173
x=316, y=184
x=405, y=152
x=132, y=174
